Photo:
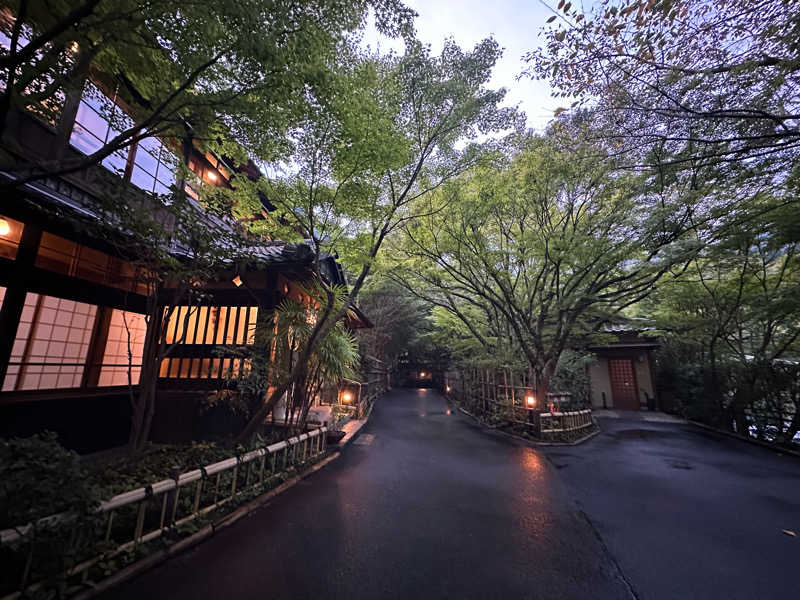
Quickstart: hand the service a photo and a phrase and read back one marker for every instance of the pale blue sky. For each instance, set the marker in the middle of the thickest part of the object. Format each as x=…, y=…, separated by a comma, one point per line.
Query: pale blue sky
x=515, y=24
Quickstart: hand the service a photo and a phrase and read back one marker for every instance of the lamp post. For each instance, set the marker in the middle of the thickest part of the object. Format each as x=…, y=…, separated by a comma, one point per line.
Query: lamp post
x=534, y=414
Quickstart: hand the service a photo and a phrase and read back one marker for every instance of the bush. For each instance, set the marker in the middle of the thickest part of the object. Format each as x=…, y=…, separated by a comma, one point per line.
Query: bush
x=572, y=376
x=39, y=478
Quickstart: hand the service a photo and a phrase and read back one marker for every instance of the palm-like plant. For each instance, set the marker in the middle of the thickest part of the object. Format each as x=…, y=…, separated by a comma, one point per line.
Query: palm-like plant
x=282, y=336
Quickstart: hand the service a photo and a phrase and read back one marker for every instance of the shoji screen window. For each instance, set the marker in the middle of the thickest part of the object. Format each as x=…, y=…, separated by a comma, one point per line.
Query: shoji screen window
x=213, y=325
x=51, y=345
x=124, y=347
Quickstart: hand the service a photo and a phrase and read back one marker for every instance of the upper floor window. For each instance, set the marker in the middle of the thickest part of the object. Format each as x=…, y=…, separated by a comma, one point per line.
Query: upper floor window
x=154, y=166
x=99, y=120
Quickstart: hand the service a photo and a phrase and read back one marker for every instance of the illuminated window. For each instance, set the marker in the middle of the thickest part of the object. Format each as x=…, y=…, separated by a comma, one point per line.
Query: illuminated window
x=99, y=120
x=51, y=345
x=154, y=166
x=70, y=258
x=124, y=348
x=213, y=325
x=10, y=235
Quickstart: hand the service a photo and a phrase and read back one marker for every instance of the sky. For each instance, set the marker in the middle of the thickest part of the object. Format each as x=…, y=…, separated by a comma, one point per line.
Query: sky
x=515, y=24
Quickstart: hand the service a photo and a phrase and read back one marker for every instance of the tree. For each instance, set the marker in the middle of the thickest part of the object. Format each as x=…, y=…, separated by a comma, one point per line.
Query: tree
x=390, y=134
x=231, y=77
x=283, y=334
x=736, y=307
x=399, y=319
x=683, y=82
x=234, y=76
x=541, y=250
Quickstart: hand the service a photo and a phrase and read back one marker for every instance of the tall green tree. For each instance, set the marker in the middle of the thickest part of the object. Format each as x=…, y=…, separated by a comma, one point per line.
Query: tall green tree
x=541, y=250
x=396, y=129
x=737, y=308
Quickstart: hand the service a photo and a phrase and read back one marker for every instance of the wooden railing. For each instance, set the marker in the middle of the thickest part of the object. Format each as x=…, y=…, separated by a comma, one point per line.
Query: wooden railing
x=558, y=422
x=146, y=513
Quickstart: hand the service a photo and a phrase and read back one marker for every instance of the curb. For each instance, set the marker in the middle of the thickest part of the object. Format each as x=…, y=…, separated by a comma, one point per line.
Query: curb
x=352, y=434
x=155, y=559
x=527, y=440
x=743, y=438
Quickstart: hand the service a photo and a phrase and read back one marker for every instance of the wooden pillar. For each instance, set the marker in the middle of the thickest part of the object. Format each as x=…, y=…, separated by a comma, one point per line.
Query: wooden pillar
x=97, y=347
x=16, y=291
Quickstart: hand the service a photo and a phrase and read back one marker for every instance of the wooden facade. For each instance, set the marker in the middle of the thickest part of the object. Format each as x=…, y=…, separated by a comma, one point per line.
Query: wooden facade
x=71, y=309
x=622, y=377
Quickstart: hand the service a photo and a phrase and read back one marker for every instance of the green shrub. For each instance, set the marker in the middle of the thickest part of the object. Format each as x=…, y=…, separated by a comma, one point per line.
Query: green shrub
x=39, y=478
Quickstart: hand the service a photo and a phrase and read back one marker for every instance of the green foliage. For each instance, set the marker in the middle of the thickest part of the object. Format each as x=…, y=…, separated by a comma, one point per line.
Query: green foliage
x=401, y=321
x=734, y=309
x=531, y=255
x=156, y=463
x=683, y=83
x=235, y=75
x=572, y=376
x=39, y=478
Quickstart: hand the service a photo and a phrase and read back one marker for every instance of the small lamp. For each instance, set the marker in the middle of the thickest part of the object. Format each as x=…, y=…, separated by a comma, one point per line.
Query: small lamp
x=5, y=228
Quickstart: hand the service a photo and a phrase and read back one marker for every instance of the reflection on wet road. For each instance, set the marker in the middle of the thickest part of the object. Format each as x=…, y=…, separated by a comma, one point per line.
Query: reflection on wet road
x=430, y=507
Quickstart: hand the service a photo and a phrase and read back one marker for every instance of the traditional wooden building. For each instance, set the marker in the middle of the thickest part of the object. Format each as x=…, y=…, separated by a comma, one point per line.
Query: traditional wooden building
x=71, y=309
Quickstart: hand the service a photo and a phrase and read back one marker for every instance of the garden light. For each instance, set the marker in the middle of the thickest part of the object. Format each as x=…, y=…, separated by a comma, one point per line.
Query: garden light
x=347, y=396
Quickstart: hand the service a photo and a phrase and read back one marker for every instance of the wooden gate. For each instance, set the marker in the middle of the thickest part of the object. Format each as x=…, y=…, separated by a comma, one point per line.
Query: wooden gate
x=623, y=384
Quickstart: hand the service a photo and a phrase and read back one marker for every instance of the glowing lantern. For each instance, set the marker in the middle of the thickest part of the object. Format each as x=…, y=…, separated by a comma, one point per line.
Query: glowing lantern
x=422, y=373
x=347, y=397
x=5, y=228
x=530, y=401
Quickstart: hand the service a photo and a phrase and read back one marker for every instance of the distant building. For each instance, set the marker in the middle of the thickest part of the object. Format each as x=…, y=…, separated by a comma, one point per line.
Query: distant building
x=622, y=376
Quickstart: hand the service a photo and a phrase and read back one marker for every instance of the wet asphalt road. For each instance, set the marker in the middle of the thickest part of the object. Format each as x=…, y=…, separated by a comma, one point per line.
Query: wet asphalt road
x=688, y=513
x=425, y=504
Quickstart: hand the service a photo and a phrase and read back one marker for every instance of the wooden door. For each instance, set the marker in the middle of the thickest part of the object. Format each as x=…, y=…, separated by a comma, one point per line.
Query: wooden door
x=623, y=384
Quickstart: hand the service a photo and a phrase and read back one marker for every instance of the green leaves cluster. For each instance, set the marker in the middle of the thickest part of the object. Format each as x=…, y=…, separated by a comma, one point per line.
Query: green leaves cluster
x=534, y=254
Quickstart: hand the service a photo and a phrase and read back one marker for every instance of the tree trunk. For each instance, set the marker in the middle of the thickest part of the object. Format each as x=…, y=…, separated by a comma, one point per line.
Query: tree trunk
x=542, y=383
x=143, y=403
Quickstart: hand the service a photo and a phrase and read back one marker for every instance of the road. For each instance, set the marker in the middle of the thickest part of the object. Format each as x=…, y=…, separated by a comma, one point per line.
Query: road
x=426, y=504
x=688, y=513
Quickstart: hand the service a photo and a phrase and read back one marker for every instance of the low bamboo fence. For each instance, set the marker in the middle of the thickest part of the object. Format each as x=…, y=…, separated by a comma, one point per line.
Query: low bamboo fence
x=146, y=513
x=508, y=396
